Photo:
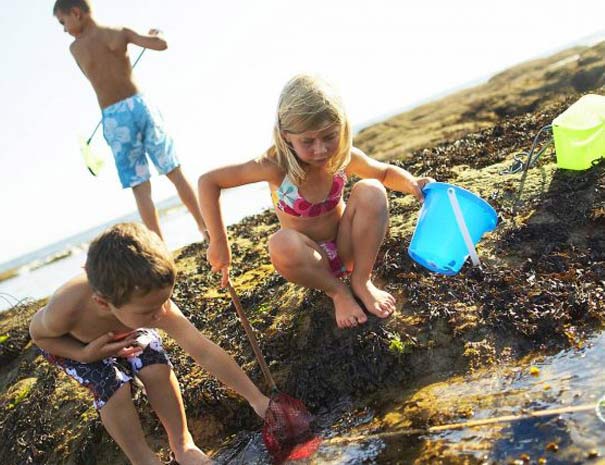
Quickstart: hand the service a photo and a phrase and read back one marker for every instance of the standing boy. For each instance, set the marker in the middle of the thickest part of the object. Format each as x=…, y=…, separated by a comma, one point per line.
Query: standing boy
x=131, y=125
x=110, y=312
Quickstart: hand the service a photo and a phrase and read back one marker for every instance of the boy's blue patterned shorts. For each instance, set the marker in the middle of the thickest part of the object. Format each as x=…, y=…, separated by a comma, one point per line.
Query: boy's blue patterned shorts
x=133, y=128
x=104, y=377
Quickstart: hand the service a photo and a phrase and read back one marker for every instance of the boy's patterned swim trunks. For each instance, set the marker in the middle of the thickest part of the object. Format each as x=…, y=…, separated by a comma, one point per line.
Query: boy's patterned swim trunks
x=133, y=128
x=106, y=376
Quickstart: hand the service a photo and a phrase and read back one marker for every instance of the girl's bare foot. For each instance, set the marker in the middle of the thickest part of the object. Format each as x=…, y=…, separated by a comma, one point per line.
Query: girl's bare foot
x=376, y=301
x=348, y=312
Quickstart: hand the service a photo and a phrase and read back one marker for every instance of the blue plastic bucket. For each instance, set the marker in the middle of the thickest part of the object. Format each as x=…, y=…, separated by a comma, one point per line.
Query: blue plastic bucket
x=438, y=243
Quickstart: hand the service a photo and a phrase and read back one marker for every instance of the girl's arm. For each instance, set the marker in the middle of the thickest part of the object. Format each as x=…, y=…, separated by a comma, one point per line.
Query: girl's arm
x=210, y=185
x=390, y=176
x=211, y=357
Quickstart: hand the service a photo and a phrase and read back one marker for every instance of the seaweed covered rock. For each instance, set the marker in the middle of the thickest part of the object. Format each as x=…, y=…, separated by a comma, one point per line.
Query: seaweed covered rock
x=542, y=285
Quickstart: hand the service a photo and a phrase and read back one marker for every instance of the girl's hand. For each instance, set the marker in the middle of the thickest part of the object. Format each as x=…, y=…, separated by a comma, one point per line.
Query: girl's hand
x=219, y=257
x=417, y=184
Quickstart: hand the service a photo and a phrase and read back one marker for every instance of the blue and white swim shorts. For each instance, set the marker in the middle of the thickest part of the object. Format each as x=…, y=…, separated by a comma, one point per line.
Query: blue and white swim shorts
x=134, y=129
x=104, y=377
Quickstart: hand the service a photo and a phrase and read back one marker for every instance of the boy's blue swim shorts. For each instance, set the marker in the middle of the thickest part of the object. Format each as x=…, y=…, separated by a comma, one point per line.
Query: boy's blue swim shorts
x=133, y=129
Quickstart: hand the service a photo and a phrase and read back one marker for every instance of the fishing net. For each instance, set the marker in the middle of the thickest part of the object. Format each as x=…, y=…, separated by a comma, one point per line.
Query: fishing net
x=94, y=162
x=287, y=432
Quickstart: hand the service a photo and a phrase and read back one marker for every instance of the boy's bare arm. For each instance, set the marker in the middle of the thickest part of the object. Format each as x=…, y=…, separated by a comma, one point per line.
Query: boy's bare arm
x=151, y=40
x=51, y=326
x=208, y=355
x=74, y=53
x=49, y=330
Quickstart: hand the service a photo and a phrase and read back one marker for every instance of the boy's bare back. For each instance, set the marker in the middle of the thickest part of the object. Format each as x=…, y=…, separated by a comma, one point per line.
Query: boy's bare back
x=103, y=57
x=102, y=53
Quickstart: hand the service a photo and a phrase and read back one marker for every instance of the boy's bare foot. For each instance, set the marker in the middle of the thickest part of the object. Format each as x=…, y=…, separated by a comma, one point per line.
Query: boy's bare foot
x=190, y=454
x=376, y=301
x=348, y=312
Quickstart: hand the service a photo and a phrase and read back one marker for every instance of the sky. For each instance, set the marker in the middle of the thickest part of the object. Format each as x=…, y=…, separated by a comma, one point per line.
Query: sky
x=218, y=83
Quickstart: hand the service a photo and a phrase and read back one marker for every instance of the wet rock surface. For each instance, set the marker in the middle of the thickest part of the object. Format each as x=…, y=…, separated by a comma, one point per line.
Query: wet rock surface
x=542, y=285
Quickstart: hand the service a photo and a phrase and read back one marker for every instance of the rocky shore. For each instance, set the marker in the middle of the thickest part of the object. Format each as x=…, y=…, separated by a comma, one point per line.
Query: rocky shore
x=542, y=286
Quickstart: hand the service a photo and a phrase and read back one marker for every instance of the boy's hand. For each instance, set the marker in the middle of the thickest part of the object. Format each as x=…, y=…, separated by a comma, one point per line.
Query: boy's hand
x=106, y=346
x=219, y=257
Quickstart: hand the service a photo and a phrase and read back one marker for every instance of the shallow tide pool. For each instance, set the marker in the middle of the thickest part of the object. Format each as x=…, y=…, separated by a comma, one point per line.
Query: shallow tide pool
x=380, y=432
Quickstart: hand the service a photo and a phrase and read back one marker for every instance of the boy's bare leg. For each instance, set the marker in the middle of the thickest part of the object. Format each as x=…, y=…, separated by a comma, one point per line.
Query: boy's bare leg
x=301, y=260
x=361, y=231
x=122, y=423
x=147, y=210
x=187, y=195
x=164, y=395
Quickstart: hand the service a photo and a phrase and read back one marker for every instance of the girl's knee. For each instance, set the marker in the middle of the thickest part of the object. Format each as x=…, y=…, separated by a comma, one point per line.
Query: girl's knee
x=371, y=193
x=285, y=248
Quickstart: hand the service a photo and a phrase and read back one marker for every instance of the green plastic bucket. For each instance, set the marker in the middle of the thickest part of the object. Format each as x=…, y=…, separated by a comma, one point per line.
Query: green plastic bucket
x=579, y=133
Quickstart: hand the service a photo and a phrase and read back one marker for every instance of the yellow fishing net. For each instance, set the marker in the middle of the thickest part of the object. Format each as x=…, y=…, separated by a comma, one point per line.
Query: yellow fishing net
x=94, y=162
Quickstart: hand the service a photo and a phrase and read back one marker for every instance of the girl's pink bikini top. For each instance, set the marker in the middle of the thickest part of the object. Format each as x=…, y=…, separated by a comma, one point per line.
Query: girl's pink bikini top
x=287, y=198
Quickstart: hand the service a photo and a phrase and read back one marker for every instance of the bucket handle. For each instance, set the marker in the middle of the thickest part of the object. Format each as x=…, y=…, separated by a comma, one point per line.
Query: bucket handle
x=462, y=226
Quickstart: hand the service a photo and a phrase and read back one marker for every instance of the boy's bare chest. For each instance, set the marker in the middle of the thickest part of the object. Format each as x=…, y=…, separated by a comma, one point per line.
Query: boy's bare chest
x=93, y=324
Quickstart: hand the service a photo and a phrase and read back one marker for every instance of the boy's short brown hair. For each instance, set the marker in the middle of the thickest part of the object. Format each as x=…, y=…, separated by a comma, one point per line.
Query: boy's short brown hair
x=64, y=6
x=128, y=258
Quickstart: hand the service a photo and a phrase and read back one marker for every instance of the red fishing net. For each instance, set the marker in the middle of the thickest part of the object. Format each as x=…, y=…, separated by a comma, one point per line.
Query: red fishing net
x=287, y=431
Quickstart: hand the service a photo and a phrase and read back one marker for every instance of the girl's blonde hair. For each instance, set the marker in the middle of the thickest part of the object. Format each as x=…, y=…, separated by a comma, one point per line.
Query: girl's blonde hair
x=308, y=103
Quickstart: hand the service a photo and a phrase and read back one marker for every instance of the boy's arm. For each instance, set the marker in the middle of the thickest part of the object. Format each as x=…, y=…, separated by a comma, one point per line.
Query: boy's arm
x=49, y=330
x=391, y=176
x=211, y=357
x=74, y=53
x=151, y=40
x=51, y=325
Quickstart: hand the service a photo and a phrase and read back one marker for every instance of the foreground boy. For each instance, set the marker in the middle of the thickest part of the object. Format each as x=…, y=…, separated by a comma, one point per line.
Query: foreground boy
x=89, y=323
x=131, y=125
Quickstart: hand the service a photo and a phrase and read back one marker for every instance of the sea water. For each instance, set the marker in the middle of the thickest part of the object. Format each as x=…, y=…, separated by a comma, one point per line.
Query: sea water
x=41, y=272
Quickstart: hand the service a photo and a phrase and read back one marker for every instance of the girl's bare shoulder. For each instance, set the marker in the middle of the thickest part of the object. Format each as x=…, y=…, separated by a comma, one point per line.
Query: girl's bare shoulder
x=274, y=174
x=356, y=156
